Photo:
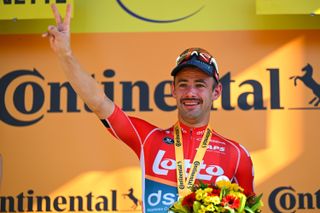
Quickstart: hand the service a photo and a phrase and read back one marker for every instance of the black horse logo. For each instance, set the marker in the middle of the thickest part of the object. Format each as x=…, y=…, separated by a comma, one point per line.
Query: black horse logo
x=135, y=200
x=308, y=81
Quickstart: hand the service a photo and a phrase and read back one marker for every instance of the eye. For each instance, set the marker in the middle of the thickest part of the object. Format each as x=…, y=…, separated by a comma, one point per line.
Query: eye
x=182, y=85
x=200, y=85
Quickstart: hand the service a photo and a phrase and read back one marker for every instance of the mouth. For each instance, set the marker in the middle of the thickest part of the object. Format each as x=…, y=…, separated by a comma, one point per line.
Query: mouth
x=190, y=102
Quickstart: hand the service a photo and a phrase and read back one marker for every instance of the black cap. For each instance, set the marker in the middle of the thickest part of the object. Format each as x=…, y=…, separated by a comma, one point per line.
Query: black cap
x=200, y=58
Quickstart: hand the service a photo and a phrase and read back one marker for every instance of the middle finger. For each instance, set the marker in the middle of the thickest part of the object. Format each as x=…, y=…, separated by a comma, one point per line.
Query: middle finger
x=56, y=14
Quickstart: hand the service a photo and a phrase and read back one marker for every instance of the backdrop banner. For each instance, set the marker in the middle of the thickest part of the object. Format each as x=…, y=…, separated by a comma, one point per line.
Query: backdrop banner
x=32, y=9
x=58, y=157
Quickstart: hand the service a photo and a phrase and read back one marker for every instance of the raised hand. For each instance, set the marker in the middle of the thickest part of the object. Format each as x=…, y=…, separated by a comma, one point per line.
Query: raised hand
x=81, y=81
x=59, y=35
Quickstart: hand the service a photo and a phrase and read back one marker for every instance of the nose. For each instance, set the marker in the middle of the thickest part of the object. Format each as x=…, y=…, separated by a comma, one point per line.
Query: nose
x=190, y=91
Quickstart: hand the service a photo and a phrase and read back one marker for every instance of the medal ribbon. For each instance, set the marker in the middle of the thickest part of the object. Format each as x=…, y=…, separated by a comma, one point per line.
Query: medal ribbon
x=184, y=187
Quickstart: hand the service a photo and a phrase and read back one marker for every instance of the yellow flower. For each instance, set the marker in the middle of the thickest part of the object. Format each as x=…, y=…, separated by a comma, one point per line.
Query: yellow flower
x=223, y=184
x=208, y=190
x=199, y=194
x=207, y=200
x=202, y=209
x=215, y=200
x=235, y=187
x=210, y=208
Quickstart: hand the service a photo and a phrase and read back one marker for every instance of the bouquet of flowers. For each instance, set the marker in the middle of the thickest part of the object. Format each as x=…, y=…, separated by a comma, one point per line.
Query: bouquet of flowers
x=221, y=197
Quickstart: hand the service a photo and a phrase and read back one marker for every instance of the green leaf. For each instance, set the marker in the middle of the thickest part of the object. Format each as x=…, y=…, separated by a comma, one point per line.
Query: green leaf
x=178, y=208
x=247, y=209
x=223, y=192
x=202, y=185
x=229, y=209
x=258, y=203
x=243, y=200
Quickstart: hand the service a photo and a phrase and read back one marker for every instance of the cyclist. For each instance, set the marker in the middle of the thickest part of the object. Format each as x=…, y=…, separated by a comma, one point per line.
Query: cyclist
x=172, y=159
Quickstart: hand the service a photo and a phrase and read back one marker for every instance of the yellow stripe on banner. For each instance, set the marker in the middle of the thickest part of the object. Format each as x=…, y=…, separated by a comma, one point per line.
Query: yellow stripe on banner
x=272, y=7
x=30, y=9
x=104, y=16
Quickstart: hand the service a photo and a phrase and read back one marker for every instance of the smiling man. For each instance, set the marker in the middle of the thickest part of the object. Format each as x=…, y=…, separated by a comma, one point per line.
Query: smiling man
x=172, y=159
x=196, y=86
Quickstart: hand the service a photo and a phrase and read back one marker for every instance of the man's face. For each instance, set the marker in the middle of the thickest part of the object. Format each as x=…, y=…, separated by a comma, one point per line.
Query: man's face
x=194, y=93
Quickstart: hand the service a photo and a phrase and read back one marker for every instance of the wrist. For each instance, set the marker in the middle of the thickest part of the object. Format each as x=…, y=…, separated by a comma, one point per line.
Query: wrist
x=65, y=54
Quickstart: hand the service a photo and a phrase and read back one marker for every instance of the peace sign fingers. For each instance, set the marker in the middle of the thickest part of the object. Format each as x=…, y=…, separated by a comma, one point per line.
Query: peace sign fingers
x=62, y=25
x=59, y=35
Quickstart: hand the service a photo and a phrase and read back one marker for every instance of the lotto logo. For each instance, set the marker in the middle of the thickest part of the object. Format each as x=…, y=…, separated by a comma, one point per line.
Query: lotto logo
x=162, y=166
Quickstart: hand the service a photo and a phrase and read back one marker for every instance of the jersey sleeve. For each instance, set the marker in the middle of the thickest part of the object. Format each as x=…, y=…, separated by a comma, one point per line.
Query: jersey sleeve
x=245, y=173
x=132, y=131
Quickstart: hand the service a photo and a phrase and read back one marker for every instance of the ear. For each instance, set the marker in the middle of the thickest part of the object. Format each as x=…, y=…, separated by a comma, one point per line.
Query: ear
x=173, y=91
x=217, y=92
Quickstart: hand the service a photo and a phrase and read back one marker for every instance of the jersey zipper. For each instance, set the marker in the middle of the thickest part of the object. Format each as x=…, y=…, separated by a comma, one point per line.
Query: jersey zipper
x=191, y=146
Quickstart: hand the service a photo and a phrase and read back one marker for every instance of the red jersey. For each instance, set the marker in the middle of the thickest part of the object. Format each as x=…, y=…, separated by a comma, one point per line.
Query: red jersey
x=155, y=148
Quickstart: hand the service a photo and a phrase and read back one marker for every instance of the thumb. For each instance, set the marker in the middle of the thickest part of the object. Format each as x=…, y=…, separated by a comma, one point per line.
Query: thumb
x=53, y=30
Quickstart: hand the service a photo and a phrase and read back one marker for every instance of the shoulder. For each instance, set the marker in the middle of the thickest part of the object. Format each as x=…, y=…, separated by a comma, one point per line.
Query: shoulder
x=229, y=142
x=120, y=117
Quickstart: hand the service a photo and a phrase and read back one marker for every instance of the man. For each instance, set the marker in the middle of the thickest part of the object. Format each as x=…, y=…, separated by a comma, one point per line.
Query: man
x=172, y=159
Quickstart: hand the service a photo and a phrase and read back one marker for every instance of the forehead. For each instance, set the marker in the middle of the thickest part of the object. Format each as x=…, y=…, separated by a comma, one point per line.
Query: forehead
x=192, y=73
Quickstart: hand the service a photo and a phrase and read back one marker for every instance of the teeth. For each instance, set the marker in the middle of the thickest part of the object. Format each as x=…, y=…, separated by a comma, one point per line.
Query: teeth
x=190, y=103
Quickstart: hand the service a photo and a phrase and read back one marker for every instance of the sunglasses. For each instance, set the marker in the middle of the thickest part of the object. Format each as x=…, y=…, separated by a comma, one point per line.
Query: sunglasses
x=201, y=56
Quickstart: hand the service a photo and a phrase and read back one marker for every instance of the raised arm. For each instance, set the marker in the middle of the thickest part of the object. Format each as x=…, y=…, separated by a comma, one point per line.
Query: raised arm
x=84, y=85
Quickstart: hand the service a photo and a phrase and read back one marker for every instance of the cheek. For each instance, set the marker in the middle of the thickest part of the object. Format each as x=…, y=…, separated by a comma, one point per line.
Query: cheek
x=207, y=95
x=178, y=92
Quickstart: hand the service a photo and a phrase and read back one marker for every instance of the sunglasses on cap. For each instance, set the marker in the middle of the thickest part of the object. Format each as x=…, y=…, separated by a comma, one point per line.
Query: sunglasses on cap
x=201, y=56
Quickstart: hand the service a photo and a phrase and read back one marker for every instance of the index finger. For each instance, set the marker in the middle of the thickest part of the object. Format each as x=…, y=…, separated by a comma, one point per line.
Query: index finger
x=68, y=15
x=56, y=14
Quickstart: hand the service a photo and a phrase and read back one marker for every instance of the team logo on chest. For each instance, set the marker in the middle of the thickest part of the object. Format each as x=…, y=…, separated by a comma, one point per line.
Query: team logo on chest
x=163, y=165
x=168, y=140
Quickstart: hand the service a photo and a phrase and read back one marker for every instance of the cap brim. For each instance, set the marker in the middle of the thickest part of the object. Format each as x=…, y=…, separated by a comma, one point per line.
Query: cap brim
x=191, y=63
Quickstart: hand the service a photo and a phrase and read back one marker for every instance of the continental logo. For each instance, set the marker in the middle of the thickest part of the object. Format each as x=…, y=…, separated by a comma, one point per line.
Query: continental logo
x=26, y=97
x=29, y=202
x=178, y=139
x=180, y=177
x=285, y=199
x=110, y=201
x=206, y=138
x=175, y=11
x=196, y=164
